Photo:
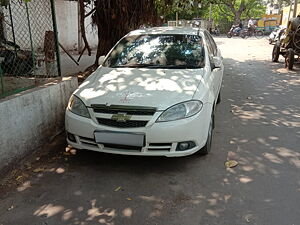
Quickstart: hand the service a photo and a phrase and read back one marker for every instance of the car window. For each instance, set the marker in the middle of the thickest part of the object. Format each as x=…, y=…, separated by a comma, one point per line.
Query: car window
x=213, y=44
x=212, y=47
x=158, y=51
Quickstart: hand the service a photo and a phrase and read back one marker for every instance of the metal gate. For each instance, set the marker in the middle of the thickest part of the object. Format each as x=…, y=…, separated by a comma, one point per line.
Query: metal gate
x=29, y=53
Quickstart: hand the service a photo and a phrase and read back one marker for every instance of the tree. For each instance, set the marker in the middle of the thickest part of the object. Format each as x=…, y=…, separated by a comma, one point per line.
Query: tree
x=115, y=18
x=280, y=3
x=186, y=9
x=239, y=7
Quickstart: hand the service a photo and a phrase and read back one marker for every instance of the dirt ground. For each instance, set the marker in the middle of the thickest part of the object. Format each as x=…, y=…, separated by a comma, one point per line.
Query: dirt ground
x=257, y=124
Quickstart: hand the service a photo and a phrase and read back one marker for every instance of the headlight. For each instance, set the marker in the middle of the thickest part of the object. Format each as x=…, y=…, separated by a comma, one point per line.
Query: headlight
x=77, y=106
x=181, y=111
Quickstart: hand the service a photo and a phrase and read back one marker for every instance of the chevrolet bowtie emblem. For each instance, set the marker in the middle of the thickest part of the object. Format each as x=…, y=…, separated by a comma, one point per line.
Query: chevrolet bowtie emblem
x=121, y=117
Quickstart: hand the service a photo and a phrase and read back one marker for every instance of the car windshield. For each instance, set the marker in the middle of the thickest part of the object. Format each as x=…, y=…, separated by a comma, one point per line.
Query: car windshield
x=158, y=51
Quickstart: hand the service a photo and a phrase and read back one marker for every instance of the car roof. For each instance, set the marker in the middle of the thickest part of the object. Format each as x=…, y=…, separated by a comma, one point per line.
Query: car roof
x=167, y=30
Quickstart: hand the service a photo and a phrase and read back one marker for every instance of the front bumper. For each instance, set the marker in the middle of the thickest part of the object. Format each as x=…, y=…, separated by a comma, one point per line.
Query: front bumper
x=161, y=139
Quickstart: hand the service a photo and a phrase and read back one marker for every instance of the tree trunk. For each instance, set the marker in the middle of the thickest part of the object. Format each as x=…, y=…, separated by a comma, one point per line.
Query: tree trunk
x=115, y=18
x=104, y=45
x=236, y=12
x=82, y=26
x=237, y=17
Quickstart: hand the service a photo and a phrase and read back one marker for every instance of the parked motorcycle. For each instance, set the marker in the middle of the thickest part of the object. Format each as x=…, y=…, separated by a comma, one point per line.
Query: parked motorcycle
x=215, y=31
x=15, y=61
x=250, y=32
x=234, y=31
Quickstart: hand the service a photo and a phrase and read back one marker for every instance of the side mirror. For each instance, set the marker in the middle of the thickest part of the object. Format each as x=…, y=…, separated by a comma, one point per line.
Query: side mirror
x=101, y=60
x=217, y=62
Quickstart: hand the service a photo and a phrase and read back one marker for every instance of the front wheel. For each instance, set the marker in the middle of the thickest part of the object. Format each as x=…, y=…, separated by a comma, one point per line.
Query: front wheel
x=290, y=58
x=259, y=34
x=207, y=148
x=229, y=35
x=243, y=35
x=276, y=52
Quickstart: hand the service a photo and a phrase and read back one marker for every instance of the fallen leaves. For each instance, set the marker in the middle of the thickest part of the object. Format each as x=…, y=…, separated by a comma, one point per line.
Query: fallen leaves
x=235, y=109
x=231, y=164
x=70, y=150
x=60, y=170
x=120, y=189
x=38, y=170
x=248, y=218
x=28, y=166
x=19, y=178
x=117, y=189
x=10, y=208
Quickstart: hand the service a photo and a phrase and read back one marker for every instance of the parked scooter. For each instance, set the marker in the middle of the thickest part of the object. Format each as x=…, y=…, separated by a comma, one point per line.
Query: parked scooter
x=234, y=31
x=276, y=35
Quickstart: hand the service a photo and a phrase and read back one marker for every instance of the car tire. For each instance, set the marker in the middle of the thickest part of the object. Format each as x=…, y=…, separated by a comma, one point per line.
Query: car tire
x=207, y=147
x=219, y=98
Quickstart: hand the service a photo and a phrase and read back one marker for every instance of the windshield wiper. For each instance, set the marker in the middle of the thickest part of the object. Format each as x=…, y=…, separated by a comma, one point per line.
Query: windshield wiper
x=135, y=66
x=158, y=66
x=182, y=67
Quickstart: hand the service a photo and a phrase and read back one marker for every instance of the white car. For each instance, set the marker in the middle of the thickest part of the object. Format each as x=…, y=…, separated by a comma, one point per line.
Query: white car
x=153, y=95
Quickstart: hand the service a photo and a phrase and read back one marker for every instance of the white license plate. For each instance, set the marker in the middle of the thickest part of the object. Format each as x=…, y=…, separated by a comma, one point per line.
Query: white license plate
x=119, y=138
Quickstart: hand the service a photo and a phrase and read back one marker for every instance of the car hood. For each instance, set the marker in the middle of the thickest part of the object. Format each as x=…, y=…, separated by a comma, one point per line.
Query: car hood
x=160, y=88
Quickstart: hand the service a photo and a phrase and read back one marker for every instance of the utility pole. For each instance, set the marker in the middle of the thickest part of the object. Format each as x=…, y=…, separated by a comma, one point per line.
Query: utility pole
x=210, y=18
x=295, y=8
x=210, y=12
x=176, y=19
x=79, y=30
x=289, y=14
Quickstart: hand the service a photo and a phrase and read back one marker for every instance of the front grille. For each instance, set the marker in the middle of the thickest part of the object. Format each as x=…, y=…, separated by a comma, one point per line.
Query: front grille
x=129, y=110
x=123, y=147
x=127, y=124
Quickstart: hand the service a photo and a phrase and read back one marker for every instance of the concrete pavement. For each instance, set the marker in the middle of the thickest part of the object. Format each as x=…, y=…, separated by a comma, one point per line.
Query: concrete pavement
x=68, y=67
x=257, y=124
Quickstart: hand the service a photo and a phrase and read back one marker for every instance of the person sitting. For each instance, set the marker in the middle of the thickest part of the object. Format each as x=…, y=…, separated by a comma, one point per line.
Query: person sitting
x=238, y=28
x=251, y=26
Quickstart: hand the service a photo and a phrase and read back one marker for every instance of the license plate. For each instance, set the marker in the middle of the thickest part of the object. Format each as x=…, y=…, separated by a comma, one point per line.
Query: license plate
x=119, y=138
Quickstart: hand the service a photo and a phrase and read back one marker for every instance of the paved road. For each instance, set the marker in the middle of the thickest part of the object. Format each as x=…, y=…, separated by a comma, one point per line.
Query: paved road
x=257, y=124
x=68, y=67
